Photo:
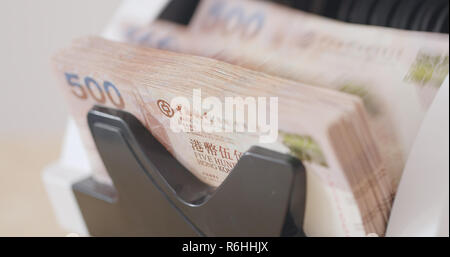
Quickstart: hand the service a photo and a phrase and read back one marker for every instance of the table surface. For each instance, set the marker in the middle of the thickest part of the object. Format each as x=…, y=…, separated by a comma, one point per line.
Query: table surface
x=25, y=209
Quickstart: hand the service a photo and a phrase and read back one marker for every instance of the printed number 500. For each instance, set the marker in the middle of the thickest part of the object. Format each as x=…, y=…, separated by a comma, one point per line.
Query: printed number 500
x=95, y=90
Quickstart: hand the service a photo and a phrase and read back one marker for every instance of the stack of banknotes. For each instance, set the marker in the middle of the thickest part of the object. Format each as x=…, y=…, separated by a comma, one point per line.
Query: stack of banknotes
x=345, y=99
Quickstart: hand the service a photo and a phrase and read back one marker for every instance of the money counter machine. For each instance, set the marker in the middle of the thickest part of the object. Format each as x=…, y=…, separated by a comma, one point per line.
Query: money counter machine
x=157, y=196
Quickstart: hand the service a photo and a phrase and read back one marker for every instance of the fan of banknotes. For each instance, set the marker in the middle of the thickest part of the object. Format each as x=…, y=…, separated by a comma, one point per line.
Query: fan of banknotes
x=345, y=99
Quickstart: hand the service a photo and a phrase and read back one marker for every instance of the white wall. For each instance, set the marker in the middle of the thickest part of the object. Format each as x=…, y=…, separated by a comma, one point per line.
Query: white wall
x=31, y=31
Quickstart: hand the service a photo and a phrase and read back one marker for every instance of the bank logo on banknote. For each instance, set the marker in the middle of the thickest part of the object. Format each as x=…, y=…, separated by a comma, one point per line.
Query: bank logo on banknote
x=165, y=108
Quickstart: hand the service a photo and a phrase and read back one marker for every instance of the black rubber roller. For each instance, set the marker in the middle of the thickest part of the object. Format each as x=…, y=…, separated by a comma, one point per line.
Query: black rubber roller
x=383, y=11
x=432, y=15
x=361, y=11
x=441, y=21
x=303, y=5
x=445, y=24
x=345, y=9
x=405, y=13
x=332, y=8
x=318, y=6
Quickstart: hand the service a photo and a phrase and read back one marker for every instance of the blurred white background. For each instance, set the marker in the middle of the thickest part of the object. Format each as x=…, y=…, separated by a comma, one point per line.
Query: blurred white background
x=32, y=111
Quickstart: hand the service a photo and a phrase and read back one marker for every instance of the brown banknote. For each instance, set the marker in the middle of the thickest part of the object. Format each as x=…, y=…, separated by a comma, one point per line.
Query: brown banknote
x=348, y=192
x=396, y=73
